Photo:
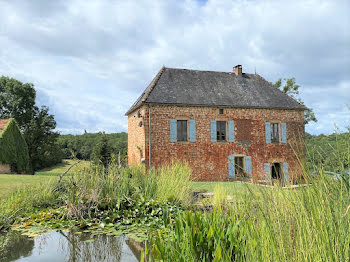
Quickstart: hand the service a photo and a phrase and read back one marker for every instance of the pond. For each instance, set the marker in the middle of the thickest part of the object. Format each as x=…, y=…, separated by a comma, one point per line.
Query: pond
x=68, y=246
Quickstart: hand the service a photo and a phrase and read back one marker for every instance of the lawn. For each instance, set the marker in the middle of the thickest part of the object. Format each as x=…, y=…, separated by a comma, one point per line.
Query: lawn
x=236, y=189
x=62, y=167
x=10, y=182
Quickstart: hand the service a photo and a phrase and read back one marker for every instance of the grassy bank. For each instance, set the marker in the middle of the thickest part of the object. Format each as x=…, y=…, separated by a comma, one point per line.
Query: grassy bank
x=119, y=195
x=9, y=183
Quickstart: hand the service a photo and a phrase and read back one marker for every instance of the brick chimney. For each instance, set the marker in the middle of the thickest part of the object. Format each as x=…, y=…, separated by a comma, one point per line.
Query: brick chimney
x=237, y=70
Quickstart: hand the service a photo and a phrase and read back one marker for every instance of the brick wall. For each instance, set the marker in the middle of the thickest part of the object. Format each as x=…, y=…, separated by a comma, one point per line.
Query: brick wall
x=137, y=136
x=209, y=160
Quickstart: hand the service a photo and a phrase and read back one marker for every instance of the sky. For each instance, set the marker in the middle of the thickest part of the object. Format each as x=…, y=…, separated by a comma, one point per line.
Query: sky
x=90, y=60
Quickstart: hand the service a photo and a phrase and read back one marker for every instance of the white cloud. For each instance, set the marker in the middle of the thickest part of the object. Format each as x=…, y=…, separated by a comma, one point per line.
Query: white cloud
x=91, y=60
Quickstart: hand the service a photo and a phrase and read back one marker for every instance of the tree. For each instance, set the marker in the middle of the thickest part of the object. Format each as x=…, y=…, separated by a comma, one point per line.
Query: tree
x=102, y=152
x=292, y=89
x=17, y=100
x=42, y=141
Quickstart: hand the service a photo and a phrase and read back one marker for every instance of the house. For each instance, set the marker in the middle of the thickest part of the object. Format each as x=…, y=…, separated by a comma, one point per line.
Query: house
x=14, y=156
x=225, y=125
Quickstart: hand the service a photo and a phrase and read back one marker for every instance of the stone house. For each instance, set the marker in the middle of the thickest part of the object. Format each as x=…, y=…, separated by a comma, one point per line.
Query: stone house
x=225, y=125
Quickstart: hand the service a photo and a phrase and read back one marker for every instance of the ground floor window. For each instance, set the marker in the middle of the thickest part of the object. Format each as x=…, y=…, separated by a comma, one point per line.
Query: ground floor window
x=276, y=171
x=239, y=168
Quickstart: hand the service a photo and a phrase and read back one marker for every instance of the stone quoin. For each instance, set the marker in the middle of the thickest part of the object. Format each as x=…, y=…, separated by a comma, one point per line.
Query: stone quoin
x=225, y=125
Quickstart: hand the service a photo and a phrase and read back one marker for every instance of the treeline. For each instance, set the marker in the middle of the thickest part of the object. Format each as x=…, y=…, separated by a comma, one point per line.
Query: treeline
x=82, y=146
x=18, y=101
x=329, y=152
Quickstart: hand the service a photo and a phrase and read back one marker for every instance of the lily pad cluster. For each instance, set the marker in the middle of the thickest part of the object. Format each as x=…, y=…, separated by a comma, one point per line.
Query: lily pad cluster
x=134, y=218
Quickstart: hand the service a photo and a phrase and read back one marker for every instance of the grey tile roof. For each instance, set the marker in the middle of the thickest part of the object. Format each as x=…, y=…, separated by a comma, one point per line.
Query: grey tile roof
x=209, y=88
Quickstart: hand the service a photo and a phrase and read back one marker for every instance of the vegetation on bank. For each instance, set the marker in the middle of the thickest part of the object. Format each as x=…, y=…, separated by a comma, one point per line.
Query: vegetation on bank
x=309, y=223
x=305, y=224
x=115, y=197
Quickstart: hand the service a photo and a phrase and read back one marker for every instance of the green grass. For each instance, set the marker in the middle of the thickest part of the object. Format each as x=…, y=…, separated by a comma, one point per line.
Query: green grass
x=62, y=167
x=236, y=189
x=9, y=183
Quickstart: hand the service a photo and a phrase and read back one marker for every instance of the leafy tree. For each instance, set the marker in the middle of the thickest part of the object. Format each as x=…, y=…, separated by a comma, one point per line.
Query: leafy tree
x=17, y=100
x=102, y=152
x=329, y=152
x=42, y=141
x=292, y=89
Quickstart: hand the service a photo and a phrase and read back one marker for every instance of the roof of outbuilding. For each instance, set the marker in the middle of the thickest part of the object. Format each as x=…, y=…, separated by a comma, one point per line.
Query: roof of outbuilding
x=210, y=88
x=3, y=122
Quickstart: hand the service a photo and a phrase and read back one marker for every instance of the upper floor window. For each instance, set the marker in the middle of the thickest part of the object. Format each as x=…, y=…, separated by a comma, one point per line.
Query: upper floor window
x=181, y=130
x=221, y=111
x=275, y=132
x=221, y=130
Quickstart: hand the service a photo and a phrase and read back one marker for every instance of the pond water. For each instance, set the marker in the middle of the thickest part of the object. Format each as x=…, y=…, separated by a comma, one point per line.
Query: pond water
x=67, y=246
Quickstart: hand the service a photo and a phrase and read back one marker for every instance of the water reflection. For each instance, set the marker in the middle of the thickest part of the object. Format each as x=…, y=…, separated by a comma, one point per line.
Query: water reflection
x=60, y=246
x=13, y=247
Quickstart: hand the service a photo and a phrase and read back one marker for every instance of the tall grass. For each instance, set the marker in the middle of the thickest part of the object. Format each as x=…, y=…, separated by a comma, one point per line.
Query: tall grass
x=220, y=196
x=97, y=188
x=108, y=188
x=305, y=224
x=310, y=223
x=174, y=183
x=27, y=200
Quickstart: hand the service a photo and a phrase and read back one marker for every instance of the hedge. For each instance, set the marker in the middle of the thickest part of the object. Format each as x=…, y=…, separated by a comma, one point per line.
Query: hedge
x=13, y=147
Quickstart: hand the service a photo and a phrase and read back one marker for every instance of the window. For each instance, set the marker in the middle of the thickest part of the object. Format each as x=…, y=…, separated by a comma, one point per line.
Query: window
x=181, y=130
x=221, y=111
x=239, y=168
x=221, y=130
x=276, y=171
x=275, y=133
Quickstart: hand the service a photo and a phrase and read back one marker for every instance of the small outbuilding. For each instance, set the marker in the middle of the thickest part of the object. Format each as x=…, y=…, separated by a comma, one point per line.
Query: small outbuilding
x=14, y=157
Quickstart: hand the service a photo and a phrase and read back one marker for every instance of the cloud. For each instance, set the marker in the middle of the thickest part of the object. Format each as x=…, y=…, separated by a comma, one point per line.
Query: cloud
x=90, y=60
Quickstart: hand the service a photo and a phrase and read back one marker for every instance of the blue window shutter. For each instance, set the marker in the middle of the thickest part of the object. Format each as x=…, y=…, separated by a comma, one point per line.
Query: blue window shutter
x=192, y=124
x=231, y=131
x=283, y=133
x=231, y=166
x=267, y=132
x=213, y=130
x=285, y=172
x=248, y=164
x=267, y=170
x=173, y=131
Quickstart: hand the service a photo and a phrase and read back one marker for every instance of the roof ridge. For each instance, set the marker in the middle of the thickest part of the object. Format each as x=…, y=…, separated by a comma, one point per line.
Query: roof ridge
x=175, y=68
